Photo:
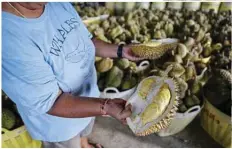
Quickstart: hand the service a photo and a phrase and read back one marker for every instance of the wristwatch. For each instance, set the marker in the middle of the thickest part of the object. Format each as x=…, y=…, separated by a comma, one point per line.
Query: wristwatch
x=120, y=49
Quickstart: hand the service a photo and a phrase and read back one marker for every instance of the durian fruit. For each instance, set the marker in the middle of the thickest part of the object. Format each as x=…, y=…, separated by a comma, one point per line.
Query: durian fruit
x=217, y=47
x=115, y=32
x=190, y=71
x=152, y=50
x=183, y=86
x=128, y=83
x=182, y=50
x=200, y=35
x=114, y=77
x=154, y=113
x=188, y=101
x=169, y=29
x=195, y=87
x=158, y=105
x=122, y=63
x=105, y=24
x=177, y=70
x=133, y=66
x=158, y=72
x=178, y=59
x=189, y=43
x=182, y=108
x=97, y=59
x=8, y=119
x=225, y=75
x=104, y=65
x=191, y=100
x=147, y=85
x=99, y=33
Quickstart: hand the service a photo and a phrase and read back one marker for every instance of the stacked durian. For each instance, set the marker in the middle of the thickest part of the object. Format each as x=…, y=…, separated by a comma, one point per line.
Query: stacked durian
x=140, y=26
x=205, y=44
x=87, y=10
x=185, y=71
x=117, y=73
x=10, y=116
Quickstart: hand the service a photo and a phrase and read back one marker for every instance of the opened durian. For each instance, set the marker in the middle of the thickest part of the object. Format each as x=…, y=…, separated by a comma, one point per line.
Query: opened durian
x=154, y=111
x=154, y=49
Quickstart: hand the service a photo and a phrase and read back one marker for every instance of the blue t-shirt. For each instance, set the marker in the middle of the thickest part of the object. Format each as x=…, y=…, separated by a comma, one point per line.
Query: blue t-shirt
x=41, y=55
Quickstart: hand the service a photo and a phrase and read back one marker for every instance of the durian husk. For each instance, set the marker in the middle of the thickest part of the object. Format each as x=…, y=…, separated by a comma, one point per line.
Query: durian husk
x=163, y=120
x=152, y=50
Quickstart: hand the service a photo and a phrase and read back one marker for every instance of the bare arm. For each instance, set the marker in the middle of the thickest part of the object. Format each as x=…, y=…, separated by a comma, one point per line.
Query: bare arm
x=70, y=106
x=104, y=49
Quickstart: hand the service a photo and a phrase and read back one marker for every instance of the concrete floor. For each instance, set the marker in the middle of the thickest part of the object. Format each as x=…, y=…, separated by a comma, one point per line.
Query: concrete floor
x=111, y=134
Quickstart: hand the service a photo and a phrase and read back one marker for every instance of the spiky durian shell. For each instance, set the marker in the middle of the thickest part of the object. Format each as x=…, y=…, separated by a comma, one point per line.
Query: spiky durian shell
x=166, y=120
x=152, y=52
x=177, y=70
x=104, y=65
x=183, y=86
x=226, y=75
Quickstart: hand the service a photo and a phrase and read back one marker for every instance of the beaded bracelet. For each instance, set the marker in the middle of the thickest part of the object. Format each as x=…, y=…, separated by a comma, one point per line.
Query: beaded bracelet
x=102, y=107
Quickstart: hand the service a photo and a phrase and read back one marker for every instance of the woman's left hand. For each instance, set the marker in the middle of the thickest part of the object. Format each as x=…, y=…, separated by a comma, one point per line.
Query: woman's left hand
x=127, y=53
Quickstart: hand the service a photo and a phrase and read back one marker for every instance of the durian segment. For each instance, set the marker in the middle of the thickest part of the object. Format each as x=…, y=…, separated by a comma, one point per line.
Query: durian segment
x=152, y=50
x=146, y=88
x=158, y=105
x=152, y=119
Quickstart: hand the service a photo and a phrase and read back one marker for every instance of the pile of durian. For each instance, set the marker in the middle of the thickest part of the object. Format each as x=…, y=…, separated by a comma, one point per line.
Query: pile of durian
x=117, y=73
x=205, y=45
x=87, y=10
x=10, y=116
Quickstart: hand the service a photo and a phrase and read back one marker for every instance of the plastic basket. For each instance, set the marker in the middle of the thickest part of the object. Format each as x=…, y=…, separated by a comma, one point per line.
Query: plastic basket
x=112, y=92
x=18, y=138
x=217, y=124
x=180, y=121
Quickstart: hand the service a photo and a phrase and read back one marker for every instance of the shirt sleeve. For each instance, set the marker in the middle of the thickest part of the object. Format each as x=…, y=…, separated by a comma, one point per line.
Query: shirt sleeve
x=26, y=77
x=72, y=10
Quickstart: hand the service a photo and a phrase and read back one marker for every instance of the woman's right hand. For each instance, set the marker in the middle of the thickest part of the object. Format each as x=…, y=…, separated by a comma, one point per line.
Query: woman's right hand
x=116, y=108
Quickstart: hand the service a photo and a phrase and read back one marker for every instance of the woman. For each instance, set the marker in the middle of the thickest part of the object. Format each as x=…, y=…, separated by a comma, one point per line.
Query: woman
x=48, y=71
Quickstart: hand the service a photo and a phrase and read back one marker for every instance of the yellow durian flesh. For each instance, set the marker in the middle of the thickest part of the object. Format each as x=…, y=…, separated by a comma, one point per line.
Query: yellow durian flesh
x=158, y=105
x=146, y=87
x=156, y=112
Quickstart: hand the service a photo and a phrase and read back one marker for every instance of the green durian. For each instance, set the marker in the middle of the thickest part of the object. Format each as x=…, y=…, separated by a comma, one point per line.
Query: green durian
x=182, y=108
x=188, y=101
x=123, y=63
x=177, y=70
x=182, y=50
x=128, y=83
x=8, y=119
x=114, y=77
